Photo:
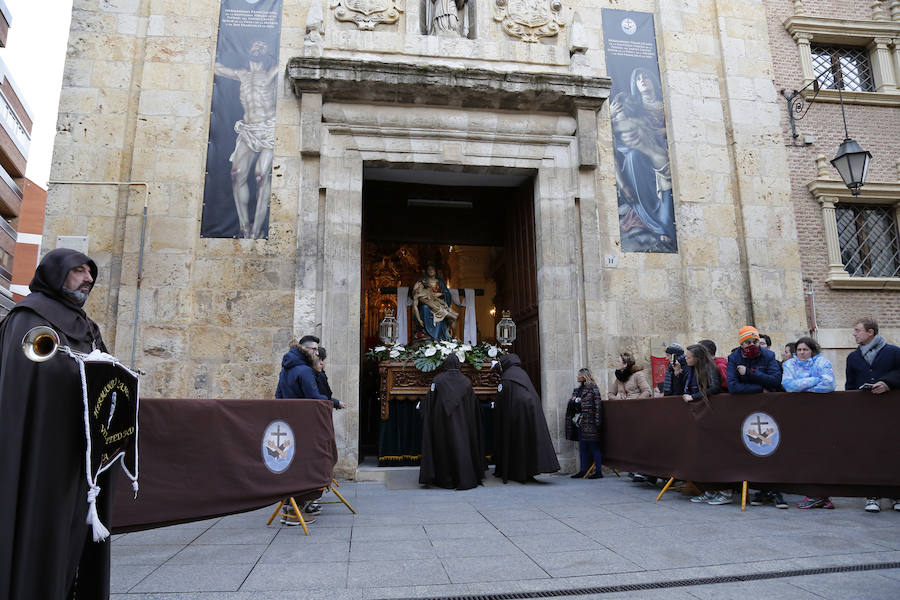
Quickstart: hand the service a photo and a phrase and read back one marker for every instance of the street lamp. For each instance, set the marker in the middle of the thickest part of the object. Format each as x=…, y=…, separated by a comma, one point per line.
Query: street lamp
x=851, y=161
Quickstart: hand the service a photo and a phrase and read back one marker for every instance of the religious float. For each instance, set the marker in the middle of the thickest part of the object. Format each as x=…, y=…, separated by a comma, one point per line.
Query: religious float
x=405, y=376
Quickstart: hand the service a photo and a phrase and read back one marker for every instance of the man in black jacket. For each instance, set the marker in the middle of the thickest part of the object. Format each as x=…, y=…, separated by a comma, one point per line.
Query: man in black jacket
x=874, y=365
x=46, y=549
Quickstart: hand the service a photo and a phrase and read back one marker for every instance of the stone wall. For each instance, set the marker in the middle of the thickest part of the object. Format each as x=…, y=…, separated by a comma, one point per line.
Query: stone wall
x=216, y=314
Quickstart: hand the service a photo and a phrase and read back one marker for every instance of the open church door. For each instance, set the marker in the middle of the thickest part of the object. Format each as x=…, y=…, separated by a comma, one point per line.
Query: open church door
x=519, y=275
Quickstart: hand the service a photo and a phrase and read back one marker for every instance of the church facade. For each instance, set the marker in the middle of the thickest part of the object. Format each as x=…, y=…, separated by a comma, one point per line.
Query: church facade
x=609, y=212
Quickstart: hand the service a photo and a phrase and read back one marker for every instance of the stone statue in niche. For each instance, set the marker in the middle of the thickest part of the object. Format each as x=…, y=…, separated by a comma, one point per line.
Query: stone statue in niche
x=449, y=18
x=529, y=20
x=367, y=13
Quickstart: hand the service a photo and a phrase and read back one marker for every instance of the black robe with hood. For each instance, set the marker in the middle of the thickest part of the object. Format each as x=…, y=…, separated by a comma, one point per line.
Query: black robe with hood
x=452, y=444
x=522, y=444
x=46, y=550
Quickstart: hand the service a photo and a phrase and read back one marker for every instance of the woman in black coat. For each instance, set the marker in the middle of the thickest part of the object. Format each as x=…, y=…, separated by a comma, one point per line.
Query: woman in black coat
x=587, y=420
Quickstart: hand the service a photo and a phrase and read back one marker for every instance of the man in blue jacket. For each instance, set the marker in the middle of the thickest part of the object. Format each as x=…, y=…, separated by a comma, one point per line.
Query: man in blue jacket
x=875, y=364
x=752, y=369
x=298, y=378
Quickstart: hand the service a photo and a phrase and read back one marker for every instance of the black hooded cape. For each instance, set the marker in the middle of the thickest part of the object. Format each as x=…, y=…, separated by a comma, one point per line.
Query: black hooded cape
x=46, y=550
x=452, y=440
x=522, y=444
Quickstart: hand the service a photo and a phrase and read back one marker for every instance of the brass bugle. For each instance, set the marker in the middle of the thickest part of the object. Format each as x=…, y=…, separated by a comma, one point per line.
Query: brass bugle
x=40, y=343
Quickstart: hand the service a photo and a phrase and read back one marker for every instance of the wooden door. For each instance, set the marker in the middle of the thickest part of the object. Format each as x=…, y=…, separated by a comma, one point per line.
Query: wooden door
x=520, y=285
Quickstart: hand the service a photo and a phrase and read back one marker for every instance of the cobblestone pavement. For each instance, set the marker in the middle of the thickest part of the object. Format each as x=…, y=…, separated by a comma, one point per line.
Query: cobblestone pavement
x=581, y=536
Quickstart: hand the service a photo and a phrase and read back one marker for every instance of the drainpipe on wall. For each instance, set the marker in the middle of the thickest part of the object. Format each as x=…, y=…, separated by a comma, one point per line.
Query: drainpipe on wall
x=140, y=269
x=811, y=308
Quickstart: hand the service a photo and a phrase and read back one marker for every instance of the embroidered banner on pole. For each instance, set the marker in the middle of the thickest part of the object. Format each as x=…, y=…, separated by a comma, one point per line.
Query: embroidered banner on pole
x=636, y=108
x=110, y=396
x=242, y=121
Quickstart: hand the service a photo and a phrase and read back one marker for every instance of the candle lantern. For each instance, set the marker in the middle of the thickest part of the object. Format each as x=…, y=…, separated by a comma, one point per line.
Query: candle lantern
x=388, y=329
x=506, y=330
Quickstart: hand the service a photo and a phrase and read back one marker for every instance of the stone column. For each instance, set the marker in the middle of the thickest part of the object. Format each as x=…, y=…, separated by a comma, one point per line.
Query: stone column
x=557, y=273
x=307, y=296
x=882, y=65
x=895, y=54
x=341, y=178
x=832, y=241
x=803, y=40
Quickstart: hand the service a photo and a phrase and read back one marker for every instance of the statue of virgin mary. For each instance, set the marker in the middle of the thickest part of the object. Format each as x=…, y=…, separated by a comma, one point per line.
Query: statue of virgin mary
x=432, y=305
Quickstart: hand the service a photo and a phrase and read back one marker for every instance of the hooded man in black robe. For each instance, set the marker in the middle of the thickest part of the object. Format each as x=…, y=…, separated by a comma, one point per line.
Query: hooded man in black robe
x=46, y=549
x=522, y=444
x=452, y=445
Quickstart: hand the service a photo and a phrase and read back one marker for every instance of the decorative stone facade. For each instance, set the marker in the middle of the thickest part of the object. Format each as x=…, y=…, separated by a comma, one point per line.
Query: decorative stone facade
x=216, y=315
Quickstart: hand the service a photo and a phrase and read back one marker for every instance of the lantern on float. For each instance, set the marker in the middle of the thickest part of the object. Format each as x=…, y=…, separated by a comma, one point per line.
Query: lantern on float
x=388, y=330
x=506, y=330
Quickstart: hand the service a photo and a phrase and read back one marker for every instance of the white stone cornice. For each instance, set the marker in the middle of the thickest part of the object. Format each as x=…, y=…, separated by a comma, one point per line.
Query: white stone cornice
x=405, y=83
x=871, y=193
x=891, y=98
x=835, y=31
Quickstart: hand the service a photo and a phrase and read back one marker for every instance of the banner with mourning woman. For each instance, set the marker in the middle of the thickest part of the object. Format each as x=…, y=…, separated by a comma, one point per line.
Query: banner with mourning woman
x=636, y=109
x=241, y=146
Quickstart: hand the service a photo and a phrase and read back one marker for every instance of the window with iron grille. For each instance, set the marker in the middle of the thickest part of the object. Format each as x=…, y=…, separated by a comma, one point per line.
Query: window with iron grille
x=843, y=67
x=870, y=246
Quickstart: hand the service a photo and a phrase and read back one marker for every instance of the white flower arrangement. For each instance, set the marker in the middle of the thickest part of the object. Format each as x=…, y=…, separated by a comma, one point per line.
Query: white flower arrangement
x=429, y=355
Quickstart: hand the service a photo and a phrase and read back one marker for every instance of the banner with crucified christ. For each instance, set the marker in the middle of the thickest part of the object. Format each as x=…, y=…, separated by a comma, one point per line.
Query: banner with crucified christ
x=238, y=183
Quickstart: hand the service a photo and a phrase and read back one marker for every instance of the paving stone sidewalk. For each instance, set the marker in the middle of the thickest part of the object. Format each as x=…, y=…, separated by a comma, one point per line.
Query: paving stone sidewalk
x=562, y=534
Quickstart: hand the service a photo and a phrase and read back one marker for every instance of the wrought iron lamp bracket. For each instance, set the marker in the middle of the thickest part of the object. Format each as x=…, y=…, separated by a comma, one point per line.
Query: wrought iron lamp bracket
x=798, y=105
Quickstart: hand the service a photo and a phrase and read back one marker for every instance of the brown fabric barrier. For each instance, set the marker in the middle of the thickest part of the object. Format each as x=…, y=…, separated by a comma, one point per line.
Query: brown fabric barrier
x=841, y=444
x=204, y=458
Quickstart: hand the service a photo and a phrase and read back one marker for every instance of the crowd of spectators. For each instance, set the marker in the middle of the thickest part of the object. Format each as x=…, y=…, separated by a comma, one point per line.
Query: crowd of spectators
x=696, y=374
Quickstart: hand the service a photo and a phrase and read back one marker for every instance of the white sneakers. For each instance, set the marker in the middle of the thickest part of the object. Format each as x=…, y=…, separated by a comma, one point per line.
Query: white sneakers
x=873, y=506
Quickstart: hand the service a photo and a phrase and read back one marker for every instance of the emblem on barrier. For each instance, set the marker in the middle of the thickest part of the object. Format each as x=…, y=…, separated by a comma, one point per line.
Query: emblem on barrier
x=760, y=434
x=367, y=13
x=529, y=20
x=278, y=446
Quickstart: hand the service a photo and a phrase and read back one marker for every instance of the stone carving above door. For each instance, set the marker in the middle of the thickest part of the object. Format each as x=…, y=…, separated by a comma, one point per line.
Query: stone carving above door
x=368, y=13
x=529, y=20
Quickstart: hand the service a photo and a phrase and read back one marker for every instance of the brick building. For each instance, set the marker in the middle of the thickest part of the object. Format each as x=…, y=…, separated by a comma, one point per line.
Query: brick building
x=849, y=247
x=15, y=138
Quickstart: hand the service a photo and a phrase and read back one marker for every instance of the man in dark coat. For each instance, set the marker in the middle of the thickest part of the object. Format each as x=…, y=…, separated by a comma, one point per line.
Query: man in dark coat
x=522, y=444
x=874, y=362
x=751, y=369
x=46, y=549
x=452, y=444
x=298, y=378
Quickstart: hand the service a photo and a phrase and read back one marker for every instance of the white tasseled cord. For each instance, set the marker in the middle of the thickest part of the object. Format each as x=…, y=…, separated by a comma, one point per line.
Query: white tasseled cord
x=99, y=531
